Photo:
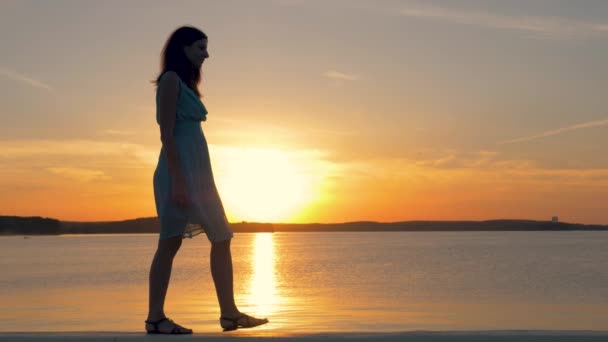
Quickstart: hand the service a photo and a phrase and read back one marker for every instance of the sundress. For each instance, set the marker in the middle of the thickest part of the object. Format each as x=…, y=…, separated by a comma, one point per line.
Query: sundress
x=206, y=212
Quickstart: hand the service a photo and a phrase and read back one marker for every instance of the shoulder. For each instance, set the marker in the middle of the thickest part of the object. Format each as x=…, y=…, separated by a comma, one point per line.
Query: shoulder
x=169, y=78
x=168, y=82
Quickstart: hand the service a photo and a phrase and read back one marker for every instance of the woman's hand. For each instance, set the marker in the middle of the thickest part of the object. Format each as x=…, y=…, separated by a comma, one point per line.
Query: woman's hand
x=179, y=195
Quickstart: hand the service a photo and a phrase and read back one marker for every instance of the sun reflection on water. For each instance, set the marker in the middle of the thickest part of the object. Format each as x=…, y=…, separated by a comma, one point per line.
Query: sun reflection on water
x=264, y=297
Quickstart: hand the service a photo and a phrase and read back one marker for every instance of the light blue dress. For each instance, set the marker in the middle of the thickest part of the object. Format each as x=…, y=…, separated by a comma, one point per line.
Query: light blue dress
x=206, y=212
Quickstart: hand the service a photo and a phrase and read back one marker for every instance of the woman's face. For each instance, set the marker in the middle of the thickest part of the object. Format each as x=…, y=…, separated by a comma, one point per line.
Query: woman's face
x=197, y=52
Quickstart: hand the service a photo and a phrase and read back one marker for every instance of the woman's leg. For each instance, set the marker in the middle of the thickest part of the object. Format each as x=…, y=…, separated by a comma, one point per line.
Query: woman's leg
x=221, y=270
x=160, y=273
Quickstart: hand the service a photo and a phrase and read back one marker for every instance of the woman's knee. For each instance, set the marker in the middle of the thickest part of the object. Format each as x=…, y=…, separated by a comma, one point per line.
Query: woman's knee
x=221, y=245
x=170, y=245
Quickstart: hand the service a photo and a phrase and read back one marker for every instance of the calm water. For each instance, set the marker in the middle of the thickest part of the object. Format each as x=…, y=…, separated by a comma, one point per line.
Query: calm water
x=316, y=282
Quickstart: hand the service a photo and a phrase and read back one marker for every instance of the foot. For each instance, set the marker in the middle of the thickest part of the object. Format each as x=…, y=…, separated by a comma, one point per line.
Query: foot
x=241, y=321
x=166, y=326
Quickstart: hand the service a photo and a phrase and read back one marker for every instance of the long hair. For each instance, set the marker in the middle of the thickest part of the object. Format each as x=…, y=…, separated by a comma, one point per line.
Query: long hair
x=173, y=57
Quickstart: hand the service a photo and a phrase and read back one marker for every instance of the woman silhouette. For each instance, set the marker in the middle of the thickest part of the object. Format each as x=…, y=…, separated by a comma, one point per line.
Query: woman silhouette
x=187, y=201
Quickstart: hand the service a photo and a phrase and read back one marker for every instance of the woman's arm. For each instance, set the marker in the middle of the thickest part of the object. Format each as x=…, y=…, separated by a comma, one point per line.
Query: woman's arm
x=168, y=91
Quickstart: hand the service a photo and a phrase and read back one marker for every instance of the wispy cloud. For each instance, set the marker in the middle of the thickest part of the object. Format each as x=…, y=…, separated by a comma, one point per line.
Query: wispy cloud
x=340, y=76
x=15, y=76
x=557, y=131
x=481, y=160
x=332, y=131
x=279, y=129
x=79, y=174
x=542, y=26
x=117, y=132
x=77, y=150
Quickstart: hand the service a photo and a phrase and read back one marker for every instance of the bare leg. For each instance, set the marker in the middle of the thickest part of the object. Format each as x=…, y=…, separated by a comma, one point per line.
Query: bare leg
x=160, y=273
x=221, y=270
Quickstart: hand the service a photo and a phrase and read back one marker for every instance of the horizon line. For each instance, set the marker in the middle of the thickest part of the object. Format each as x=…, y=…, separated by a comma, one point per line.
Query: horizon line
x=322, y=223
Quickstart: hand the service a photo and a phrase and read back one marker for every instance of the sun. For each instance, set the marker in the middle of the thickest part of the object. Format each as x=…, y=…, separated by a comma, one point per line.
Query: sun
x=262, y=184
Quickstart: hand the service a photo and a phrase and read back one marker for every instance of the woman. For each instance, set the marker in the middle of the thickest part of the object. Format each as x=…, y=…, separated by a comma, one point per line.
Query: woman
x=187, y=201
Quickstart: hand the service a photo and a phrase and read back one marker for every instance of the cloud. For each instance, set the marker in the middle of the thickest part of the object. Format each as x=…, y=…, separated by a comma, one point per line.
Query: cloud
x=246, y=127
x=460, y=176
x=12, y=75
x=543, y=26
x=489, y=160
x=339, y=76
x=590, y=124
x=75, y=170
x=94, y=151
x=331, y=131
x=117, y=132
x=79, y=174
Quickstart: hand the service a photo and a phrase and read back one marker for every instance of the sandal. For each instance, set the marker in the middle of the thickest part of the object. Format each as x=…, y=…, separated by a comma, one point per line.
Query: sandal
x=177, y=329
x=241, y=321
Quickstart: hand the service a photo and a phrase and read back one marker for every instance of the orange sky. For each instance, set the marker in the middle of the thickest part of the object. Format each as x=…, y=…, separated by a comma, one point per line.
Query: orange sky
x=429, y=111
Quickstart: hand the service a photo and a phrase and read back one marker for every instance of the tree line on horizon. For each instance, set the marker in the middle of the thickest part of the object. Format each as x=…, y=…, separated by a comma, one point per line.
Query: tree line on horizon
x=16, y=225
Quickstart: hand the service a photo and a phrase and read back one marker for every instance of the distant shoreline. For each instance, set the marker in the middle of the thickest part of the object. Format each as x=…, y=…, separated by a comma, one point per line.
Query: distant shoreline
x=16, y=225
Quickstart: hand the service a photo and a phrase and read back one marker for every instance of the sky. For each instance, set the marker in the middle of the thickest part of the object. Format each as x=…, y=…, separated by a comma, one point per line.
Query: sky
x=319, y=111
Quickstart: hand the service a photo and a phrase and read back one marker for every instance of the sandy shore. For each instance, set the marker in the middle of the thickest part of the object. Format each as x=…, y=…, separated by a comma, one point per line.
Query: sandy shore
x=414, y=336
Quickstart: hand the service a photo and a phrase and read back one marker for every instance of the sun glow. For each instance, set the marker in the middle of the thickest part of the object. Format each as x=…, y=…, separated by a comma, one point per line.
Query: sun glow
x=265, y=299
x=263, y=185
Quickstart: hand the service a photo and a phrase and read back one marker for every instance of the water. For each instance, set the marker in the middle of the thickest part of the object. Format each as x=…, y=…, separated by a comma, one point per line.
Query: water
x=316, y=282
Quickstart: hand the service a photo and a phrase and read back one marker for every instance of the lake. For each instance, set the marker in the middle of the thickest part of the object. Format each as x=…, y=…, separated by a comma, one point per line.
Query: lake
x=315, y=282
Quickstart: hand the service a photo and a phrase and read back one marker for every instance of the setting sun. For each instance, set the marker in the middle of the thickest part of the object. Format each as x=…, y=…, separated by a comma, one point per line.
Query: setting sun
x=263, y=185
